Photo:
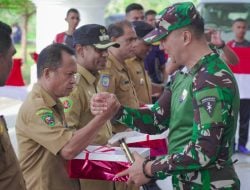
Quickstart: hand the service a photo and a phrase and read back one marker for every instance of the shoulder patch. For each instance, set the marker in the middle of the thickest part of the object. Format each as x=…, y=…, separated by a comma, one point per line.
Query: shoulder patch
x=209, y=103
x=67, y=104
x=47, y=116
x=105, y=79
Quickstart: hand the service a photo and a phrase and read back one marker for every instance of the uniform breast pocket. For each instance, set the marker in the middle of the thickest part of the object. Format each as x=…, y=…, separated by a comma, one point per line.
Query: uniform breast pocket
x=125, y=85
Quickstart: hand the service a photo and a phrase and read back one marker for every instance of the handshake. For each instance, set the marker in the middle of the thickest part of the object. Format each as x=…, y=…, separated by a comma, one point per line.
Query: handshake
x=104, y=104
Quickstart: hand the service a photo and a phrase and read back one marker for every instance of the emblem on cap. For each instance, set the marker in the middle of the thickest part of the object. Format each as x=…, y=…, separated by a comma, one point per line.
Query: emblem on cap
x=104, y=35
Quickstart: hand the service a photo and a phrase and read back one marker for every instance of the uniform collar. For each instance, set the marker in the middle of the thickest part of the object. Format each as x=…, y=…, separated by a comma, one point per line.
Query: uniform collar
x=134, y=60
x=204, y=60
x=119, y=66
x=86, y=74
x=45, y=95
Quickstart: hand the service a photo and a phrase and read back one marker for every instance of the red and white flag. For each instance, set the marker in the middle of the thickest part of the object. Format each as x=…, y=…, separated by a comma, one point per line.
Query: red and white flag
x=242, y=71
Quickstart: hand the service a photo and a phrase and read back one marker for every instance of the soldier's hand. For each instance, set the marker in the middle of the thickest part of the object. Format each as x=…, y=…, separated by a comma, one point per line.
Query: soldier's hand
x=135, y=172
x=104, y=102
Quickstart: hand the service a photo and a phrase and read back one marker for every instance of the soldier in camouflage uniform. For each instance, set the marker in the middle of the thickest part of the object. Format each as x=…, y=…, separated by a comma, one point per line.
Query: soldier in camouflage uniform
x=199, y=107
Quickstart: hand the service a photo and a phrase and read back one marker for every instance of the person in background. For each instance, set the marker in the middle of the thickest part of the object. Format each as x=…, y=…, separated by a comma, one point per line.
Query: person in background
x=91, y=47
x=143, y=85
x=156, y=59
x=115, y=77
x=200, y=108
x=239, y=28
x=16, y=33
x=73, y=19
x=150, y=17
x=44, y=138
x=135, y=65
x=134, y=12
x=11, y=176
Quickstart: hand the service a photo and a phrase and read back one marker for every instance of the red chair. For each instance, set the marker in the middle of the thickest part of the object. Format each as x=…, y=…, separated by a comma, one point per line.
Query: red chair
x=15, y=77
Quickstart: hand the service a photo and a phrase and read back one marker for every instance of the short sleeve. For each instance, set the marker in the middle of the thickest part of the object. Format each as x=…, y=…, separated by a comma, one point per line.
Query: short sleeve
x=45, y=128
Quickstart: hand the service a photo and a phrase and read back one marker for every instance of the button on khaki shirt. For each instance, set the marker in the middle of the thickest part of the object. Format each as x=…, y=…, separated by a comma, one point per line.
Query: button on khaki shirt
x=141, y=80
x=10, y=174
x=115, y=79
x=41, y=133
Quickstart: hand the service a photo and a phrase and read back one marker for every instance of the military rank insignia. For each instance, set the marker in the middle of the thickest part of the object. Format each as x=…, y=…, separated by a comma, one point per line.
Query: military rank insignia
x=209, y=103
x=47, y=116
x=67, y=104
x=105, y=80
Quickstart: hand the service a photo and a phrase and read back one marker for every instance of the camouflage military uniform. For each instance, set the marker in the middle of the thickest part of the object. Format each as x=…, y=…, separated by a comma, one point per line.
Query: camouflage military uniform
x=200, y=109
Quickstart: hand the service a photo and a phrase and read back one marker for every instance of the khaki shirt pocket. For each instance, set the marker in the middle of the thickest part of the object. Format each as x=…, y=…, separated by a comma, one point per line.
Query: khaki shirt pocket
x=125, y=85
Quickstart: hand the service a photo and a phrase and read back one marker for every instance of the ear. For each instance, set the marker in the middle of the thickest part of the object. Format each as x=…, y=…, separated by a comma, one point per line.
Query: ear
x=46, y=73
x=79, y=50
x=187, y=37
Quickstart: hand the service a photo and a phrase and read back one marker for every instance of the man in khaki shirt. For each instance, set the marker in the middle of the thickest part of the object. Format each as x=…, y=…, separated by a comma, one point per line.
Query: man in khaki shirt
x=115, y=77
x=135, y=65
x=143, y=85
x=10, y=174
x=91, y=47
x=45, y=140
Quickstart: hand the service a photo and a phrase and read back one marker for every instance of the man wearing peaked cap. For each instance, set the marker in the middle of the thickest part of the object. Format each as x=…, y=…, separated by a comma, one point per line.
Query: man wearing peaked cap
x=199, y=107
x=93, y=34
x=91, y=43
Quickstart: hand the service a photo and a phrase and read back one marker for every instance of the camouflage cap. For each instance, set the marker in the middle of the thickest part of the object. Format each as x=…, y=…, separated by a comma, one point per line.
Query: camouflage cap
x=172, y=18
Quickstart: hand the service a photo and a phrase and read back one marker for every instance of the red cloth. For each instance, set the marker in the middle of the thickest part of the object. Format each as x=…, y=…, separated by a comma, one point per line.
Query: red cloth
x=15, y=77
x=85, y=167
x=243, y=67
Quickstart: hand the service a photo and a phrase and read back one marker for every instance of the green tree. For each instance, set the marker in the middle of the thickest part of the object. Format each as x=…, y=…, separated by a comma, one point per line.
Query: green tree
x=19, y=10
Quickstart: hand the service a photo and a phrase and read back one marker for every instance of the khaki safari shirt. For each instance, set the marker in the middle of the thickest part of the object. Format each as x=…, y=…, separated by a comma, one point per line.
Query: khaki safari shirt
x=77, y=107
x=10, y=174
x=42, y=132
x=141, y=80
x=78, y=114
x=115, y=79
